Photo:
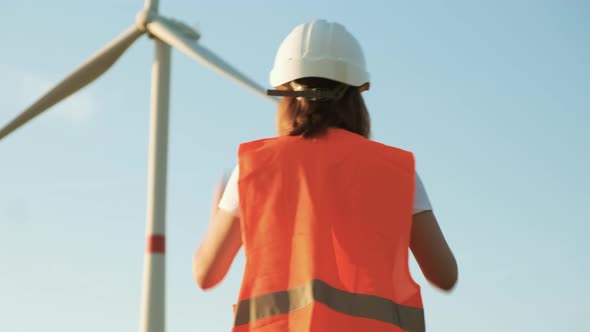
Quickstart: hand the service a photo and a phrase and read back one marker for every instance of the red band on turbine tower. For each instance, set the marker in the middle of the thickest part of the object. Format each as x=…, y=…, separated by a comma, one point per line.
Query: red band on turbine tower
x=156, y=244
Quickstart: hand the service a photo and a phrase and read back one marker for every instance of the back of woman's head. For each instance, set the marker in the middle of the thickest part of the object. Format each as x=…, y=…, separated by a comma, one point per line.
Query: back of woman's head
x=312, y=117
x=320, y=71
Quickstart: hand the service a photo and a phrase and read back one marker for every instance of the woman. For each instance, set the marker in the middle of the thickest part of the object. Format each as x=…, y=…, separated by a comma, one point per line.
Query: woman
x=325, y=215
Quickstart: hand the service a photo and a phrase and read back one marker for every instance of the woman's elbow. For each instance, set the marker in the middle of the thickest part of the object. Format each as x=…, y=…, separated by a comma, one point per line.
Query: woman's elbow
x=446, y=279
x=203, y=282
x=200, y=279
x=201, y=274
x=446, y=285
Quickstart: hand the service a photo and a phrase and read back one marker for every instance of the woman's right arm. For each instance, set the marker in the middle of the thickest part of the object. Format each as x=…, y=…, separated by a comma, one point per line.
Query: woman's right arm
x=432, y=252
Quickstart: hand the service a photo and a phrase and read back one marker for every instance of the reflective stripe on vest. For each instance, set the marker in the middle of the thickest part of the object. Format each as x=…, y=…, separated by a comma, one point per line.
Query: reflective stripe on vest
x=352, y=304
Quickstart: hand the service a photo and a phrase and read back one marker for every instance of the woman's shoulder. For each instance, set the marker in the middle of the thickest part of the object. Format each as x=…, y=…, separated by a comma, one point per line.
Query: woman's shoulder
x=391, y=154
x=391, y=148
x=365, y=142
x=262, y=143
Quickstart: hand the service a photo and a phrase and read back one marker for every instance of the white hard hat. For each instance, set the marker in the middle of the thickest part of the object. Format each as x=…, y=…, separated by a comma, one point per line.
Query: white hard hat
x=320, y=49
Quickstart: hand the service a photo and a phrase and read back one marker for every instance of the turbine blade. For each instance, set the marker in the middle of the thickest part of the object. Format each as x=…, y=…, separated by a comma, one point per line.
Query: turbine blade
x=167, y=32
x=79, y=78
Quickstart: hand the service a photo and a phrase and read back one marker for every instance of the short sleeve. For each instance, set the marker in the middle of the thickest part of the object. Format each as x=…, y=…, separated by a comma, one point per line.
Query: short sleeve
x=421, y=201
x=230, y=200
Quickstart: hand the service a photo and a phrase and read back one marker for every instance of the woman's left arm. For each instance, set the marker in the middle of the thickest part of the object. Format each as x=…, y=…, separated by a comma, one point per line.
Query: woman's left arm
x=219, y=248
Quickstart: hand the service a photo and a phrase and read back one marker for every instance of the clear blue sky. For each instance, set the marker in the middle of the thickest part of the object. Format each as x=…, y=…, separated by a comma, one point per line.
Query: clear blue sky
x=492, y=97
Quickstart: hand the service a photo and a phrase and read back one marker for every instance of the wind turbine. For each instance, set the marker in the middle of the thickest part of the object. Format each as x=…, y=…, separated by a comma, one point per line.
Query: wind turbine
x=166, y=33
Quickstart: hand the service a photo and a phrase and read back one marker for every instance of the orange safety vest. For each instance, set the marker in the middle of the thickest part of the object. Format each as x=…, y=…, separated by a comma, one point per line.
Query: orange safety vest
x=326, y=228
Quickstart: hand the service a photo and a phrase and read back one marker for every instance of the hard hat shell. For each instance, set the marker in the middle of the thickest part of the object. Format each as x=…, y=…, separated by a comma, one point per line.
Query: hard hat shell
x=320, y=49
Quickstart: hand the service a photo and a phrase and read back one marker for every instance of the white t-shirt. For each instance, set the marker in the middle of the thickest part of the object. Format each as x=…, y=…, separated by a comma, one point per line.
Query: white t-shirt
x=230, y=201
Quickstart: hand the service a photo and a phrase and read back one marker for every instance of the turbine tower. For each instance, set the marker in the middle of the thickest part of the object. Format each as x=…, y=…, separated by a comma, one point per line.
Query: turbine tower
x=166, y=33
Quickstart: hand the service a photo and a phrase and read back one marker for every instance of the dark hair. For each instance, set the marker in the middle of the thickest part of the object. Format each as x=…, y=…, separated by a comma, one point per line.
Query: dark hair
x=312, y=118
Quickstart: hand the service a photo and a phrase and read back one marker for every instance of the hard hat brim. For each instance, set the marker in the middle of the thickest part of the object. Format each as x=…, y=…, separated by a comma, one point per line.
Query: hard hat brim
x=339, y=71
